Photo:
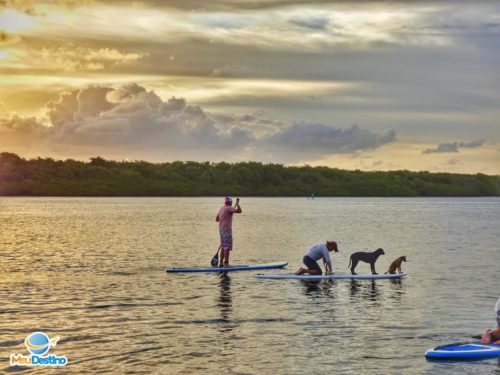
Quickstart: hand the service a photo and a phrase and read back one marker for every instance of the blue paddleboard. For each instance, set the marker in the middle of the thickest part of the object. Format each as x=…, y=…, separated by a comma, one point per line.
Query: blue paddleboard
x=269, y=266
x=464, y=350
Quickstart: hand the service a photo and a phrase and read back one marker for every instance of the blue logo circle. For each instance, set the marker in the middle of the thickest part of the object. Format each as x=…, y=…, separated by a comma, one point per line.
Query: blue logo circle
x=37, y=343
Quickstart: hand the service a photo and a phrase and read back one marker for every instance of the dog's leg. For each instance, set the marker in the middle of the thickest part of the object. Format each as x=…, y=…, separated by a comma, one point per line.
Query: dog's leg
x=354, y=264
x=373, y=268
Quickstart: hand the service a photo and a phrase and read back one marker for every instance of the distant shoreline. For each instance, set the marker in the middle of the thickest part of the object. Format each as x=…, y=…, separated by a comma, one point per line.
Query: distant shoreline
x=104, y=178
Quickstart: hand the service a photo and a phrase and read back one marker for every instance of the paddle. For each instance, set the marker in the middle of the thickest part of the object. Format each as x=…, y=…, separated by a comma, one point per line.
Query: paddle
x=215, y=259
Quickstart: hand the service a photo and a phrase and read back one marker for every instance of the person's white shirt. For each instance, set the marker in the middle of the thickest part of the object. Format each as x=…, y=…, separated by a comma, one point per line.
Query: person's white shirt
x=321, y=251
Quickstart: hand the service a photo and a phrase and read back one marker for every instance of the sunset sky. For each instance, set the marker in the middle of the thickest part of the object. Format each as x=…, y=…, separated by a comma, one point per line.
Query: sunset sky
x=370, y=85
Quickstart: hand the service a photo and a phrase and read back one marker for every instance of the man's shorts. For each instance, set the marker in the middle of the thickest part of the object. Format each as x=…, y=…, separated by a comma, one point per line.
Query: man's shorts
x=226, y=239
x=312, y=264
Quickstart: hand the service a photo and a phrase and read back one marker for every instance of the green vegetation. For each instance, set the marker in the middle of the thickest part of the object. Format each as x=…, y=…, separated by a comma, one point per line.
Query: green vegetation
x=100, y=177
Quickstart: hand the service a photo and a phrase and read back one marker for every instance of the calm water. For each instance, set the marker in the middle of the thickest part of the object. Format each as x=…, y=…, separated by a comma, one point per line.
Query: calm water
x=92, y=271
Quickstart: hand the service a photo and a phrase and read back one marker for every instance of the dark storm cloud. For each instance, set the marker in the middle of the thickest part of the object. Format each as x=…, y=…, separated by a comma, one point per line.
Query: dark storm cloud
x=473, y=144
x=442, y=148
x=453, y=147
x=325, y=139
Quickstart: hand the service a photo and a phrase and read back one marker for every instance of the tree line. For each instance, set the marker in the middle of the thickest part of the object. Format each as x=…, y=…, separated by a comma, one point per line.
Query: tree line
x=100, y=177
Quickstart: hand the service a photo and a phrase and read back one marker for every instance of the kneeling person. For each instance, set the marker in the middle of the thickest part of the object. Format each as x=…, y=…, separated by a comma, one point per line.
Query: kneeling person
x=316, y=253
x=493, y=336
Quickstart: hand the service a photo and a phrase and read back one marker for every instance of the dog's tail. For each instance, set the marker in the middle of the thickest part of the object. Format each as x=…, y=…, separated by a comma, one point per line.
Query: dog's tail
x=350, y=259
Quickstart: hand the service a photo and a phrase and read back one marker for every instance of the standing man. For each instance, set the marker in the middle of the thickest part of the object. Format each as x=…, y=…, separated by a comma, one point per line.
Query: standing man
x=225, y=220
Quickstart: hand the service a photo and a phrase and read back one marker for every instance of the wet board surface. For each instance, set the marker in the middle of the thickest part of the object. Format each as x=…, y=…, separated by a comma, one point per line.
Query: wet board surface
x=330, y=277
x=268, y=266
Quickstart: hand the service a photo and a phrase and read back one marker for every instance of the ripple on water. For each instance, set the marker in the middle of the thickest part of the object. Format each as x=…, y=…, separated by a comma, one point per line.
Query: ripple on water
x=100, y=284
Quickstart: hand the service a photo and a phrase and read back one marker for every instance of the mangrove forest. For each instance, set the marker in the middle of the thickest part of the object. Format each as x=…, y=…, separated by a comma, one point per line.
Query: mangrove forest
x=100, y=177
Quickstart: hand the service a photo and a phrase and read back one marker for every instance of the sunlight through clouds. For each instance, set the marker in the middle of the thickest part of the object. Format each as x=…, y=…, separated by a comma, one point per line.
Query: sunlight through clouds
x=279, y=77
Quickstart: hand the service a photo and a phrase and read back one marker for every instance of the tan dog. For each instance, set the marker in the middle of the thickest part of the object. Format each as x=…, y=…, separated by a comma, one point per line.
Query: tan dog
x=397, y=265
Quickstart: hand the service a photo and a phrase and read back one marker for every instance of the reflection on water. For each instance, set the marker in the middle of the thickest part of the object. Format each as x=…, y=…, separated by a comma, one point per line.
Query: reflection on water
x=92, y=271
x=316, y=289
x=225, y=300
x=365, y=289
x=228, y=325
x=373, y=290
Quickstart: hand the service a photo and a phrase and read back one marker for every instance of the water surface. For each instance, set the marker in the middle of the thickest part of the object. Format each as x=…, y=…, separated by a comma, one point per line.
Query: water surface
x=92, y=271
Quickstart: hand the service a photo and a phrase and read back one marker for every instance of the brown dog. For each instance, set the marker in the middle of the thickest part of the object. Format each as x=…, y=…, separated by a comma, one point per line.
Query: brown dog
x=397, y=265
x=365, y=257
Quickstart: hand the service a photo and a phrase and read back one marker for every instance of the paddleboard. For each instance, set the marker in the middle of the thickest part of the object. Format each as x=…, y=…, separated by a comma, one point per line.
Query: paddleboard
x=465, y=350
x=330, y=277
x=269, y=266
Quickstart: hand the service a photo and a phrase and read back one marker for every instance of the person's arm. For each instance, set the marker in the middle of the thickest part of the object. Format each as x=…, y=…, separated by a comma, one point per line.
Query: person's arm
x=486, y=338
x=327, y=260
x=237, y=206
x=217, y=218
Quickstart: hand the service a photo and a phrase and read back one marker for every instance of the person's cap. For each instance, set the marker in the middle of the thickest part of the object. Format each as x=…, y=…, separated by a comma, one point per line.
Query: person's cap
x=228, y=200
x=333, y=244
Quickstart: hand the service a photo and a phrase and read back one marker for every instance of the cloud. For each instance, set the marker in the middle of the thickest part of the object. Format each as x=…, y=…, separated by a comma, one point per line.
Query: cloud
x=453, y=147
x=22, y=132
x=31, y=7
x=8, y=39
x=122, y=118
x=442, y=147
x=24, y=6
x=4, y=37
x=304, y=137
x=71, y=58
x=130, y=120
x=473, y=144
x=311, y=22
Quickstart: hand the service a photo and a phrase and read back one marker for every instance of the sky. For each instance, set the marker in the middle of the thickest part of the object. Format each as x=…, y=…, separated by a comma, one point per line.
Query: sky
x=368, y=85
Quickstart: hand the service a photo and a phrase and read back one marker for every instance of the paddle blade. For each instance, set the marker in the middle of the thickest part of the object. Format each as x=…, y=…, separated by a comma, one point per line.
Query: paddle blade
x=215, y=260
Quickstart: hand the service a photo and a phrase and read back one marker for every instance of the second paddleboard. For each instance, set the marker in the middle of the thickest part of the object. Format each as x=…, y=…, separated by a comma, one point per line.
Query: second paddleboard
x=330, y=277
